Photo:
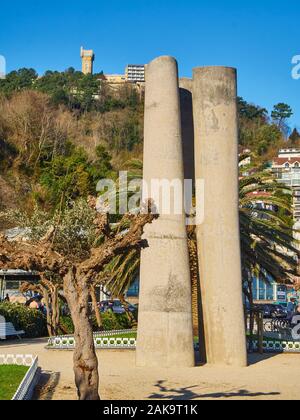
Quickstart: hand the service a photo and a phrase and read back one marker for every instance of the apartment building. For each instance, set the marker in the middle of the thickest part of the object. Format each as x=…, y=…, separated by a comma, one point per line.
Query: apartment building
x=286, y=168
x=135, y=73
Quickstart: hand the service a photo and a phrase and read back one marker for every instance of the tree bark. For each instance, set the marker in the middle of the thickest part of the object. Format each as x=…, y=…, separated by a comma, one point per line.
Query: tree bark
x=95, y=306
x=45, y=293
x=249, y=294
x=197, y=309
x=55, y=308
x=85, y=358
x=252, y=315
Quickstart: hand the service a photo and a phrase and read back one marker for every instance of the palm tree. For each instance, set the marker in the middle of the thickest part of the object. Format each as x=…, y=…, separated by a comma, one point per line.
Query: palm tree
x=267, y=235
x=267, y=241
x=123, y=270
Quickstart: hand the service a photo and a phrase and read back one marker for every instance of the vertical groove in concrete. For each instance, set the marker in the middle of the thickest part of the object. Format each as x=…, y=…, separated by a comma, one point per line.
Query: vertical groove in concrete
x=165, y=337
x=187, y=126
x=216, y=148
x=187, y=131
x=188, y=142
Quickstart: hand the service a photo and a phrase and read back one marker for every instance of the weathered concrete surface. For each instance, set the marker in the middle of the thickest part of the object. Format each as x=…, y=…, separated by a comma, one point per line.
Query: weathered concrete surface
x=165, y=335
x=216, y=148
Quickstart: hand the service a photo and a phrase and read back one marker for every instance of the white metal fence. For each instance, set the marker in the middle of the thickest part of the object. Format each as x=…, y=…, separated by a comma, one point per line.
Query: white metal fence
x=103, y=340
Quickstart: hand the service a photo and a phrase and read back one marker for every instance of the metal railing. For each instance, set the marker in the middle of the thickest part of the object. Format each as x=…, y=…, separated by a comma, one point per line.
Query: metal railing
x=271, y=335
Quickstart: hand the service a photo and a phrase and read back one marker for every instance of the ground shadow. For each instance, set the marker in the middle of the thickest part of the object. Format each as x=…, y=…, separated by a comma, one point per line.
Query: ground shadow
x=199, y=359
x=255, y=358
x=188, y=393
x=45, y=388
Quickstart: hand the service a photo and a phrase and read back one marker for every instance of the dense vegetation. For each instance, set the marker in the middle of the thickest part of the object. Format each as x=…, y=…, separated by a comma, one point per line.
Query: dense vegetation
x=72, y=89
x=32, y=322
x=264, y=134
x=62, y=132
x=110, y=320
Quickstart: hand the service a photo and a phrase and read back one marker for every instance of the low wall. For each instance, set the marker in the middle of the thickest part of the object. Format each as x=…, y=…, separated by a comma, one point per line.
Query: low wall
x=110, y=340
x=274, y=346
x=103, y=340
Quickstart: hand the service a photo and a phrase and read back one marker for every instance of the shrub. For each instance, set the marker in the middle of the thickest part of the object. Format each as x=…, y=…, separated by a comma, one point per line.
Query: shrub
x=67, y=324
x=31, y=321
x=111, y=322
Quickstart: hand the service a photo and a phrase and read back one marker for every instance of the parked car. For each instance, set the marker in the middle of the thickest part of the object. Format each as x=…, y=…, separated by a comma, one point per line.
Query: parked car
x=115, y=306
x=272, y=311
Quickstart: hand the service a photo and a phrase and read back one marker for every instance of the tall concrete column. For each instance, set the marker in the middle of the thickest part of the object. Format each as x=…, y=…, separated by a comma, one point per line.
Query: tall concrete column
x=165, y=337
x=216, y=148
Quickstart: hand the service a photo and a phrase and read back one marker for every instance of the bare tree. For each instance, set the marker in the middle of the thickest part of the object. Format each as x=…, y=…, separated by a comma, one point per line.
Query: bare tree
x=78, y=275
x=34, y=126
x=50, y=292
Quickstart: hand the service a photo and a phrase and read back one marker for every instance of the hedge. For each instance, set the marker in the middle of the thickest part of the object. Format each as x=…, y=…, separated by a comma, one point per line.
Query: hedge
x=31, y=321
x=34, y=323
x=111, y=322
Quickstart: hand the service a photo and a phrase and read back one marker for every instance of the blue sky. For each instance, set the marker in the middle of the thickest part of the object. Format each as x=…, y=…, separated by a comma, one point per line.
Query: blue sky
x=259, y=37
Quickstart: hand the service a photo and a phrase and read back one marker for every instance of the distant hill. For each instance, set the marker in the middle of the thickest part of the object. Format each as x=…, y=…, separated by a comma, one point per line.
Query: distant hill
x=62, y=132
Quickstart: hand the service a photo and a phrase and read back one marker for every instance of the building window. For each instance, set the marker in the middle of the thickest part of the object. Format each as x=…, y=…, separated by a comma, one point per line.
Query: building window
x=255, y=289
x=134, y=289
x=262, y=290
x=270, y=292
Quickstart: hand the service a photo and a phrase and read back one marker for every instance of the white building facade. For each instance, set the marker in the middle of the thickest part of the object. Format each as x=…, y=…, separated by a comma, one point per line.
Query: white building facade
x=135, y=73
x=286, y=168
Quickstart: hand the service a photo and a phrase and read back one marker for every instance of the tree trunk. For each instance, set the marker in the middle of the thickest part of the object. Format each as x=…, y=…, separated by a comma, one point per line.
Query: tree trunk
x=48, y=309
x=50, y=292
x=195, y=283
x=249, y=294
x=63, y=329
x=96, y=308
x=130, y=316
x=197, y=309
x=55, y=309
x=85, y=358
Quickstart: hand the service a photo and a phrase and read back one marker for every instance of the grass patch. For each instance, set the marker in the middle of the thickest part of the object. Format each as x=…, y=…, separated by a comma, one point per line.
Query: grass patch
x=10, y=379
x=134, y=335
x=279, y=340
